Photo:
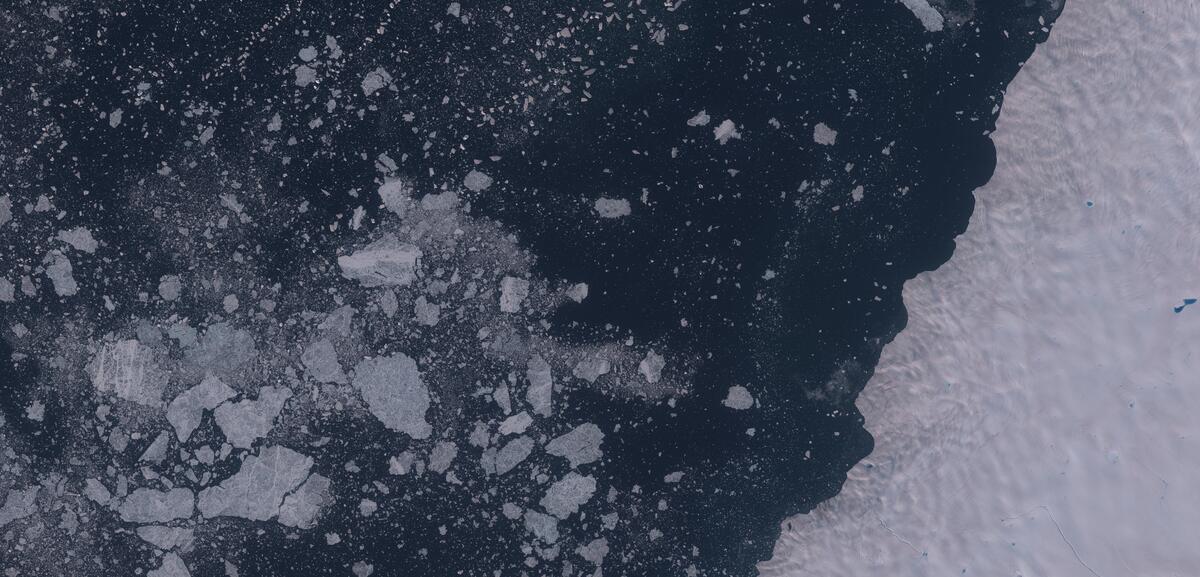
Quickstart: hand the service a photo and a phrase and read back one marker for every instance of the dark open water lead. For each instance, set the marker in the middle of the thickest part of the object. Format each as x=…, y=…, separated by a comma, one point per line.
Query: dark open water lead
x=359, y=288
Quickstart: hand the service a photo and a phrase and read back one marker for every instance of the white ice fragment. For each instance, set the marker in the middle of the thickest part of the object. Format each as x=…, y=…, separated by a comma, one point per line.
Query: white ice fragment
x=385, y=262
x=578, y=446
x=301, y=508
x=513, y=291
x=476, y=181
x=540, y=393
x=80, y=238
x=651, y=367
x=376, y=80
x=578, y=292
x=824, y=135
x=61, y=274
x=700, y=119
x=185, y=411
x=165, y=537
x=146, y=505
x=169, y=287
x=114, y=118
x=543, y=526
x=516, y=424
x=257, y=490
x=454, y=9
x=321, y=361
x=395, y=393
x=857, y=193
x=127, y=368
x=612, y=207
x=726, y=130
x=18, y=504
x=927, y=14
x=244, y=422
x=172, y=566
x=566, y=495
x=738, y=398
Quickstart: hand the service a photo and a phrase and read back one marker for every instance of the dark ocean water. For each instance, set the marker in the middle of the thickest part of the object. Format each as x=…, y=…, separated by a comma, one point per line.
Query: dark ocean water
x=687, y=270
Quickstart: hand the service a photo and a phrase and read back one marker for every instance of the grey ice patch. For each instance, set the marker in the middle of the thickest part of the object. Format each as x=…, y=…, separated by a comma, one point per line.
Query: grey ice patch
x=257, y=490
x=476, y=181
x=145, y=506
x=700, y=119
x=578, y=292
x=540, y=393
x=222, y=349
x=725, y=131
x=184, y=413
x=516, y=424
x=96, y=491
x=425, y=312
x=385, y=262
x=79, y=238
x=61, y=274
x=824, y=135
x=18, y=504
x=513, y=454
x=738, y=398
x=612, y=207
x=321, y=361
x=362, y=569
x=170, y=287
x=5, y=209
x=157, y=451
x=7, y=291
x=566, y=495
x=244, y=422
x=172, y=566
x=513, y=292
x=591, y=369
x=857, y=194
x=594, y=552
x=442, y=456
x=442, y=201
x=167, y=538
x=651, y=367
x=543, y=526
x=928, y=15
x=114, y=118
x=127, y=368
x=376, y=80
x=579, y=446
x=305, y=75
x=308, y=53
x=395, y=393
x=395, y=194
x=301, y=508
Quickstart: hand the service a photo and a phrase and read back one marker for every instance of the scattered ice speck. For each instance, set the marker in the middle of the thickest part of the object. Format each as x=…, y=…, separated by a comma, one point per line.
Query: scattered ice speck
x=824, y=135
x=513, y=292
x=395, y=393
x=651, y=367
x=18, y=504
x=388, y=303
x=114, y=118
x=442, y=456
x=166, y=538
x=726, y=130
x=301, y=508
x=257, y=490
x=566, y=495
x=540, y=393
x=321, y=361
x=172, y=566
x=375, y=80
x=927, y=14
x=579, y=446
x=80, y=238
x=305, y=75
x=61, y=273
x=244, y=422
x=308, y=53
x=184, y=413
x=170, y=287
x=146, y=505
x=738, y=398
x=385, y=262
x=542, y=526
x=578, y=292
x=612, y=207
x=128, y=369
x=476, y=181
x=700, y=119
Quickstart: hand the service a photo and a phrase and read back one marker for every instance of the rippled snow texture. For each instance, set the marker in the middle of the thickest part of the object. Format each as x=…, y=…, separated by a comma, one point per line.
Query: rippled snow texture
x=1039, y=414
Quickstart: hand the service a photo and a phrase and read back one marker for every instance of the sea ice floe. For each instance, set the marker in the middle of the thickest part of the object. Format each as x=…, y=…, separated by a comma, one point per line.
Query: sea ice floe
x=18, y=504
x=542, y=526
x=476, y=181
x=165, y=537
x=395, y=393
x=246, y=421
x=612, y=207
x=128, y=369
x=385, y=262
x=513, y=292
x=540, y=393
x=824, y=135
x=257, y=490
x=566, y=495
x=738, y=398
x=578, y=446
x=61, y=274
x=321, y=361
x=301, y=508
x=172, y=566
x=725, y=131
x=80, y=238
x=185, y=411
x=147, y=505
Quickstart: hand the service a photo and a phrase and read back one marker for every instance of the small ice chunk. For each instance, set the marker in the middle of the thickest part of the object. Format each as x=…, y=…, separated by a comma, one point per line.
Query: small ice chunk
x=35, y=411
x=442, y=456
x=172, y=566
x=578, y=446
x=591, y=369
x=301, y=508
x=362, y=569
x=455, y=9
x=185, y=411
x=127, y=368
x=166, y=538
x=476, y=181
x=257, y=490
x=385, y=262
x=700, y=119
x=308, y=53
x=513, y=454
x=651, y=367
x=516, y=424
x=857, y=194
x=612, y=207
x=395, y=393
x=321, y=361
x=5, y=209
x=18, y=504
x=376, y=80
x=513, y=291
x=927, y=14
x=61, y=274
x=726, y=130
x=401, y=464
x=540, y=393
x=395, y=194
x=97, y=492
x=442, y=201
x=578, y=292
x=824, y=135
x=738, y=398
x=222, y=349
x=425, y=312
x=170, y=287
x=7, y=291
x=80, y=238
x=305, y=75
x=594, y=552
x=388, y=303
x=230, y=303
x=114, y=117
x=157, y=450
x=543, y=526
x=146, y=505
x=566, y=495
x=245, y=422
